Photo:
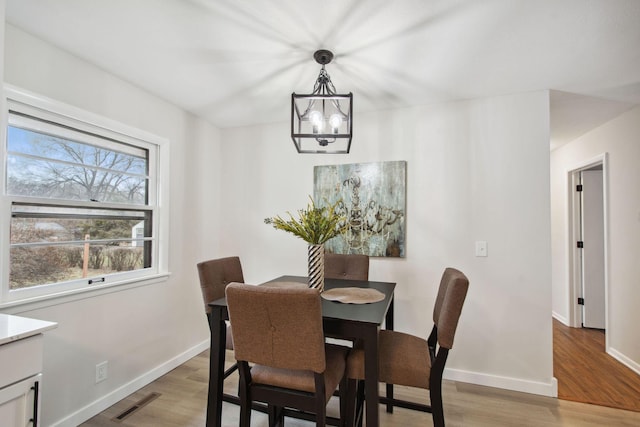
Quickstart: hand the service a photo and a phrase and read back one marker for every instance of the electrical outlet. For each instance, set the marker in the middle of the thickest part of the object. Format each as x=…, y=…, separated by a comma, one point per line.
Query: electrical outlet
x=102, y=370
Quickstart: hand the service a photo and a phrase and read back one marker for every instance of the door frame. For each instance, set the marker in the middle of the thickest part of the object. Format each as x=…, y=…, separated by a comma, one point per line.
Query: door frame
x=574, y=269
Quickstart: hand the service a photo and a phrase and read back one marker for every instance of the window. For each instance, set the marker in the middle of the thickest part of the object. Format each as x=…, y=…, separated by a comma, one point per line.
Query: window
x=80, y=198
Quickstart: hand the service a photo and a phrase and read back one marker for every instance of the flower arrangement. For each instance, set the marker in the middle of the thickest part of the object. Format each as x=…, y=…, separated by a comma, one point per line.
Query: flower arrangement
x=315, y=225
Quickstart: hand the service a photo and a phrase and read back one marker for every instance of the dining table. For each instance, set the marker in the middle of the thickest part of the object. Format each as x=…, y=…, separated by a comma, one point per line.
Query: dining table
x=344, y=321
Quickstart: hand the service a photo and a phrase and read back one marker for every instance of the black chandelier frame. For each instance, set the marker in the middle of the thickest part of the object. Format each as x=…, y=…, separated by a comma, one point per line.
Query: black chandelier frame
x=322, y=121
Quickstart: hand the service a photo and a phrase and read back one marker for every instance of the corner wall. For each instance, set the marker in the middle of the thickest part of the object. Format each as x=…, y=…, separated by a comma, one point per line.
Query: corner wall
x=476, y=170
x=145, y=331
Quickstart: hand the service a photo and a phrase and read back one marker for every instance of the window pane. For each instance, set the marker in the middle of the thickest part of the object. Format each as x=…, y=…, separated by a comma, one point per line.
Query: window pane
x=42, y=165
x=38, y=265
x=52, y=244
x=80, y=199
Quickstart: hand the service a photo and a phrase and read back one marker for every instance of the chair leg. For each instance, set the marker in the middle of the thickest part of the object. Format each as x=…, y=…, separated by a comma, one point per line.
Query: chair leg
x=350, y=416
x=437, y=410
x=244, y=393
x=321, y=417
x=276, y=416
x=343, y=392
x=280, y=417
x=245, y=414
x=271, y=413
x=360, y=403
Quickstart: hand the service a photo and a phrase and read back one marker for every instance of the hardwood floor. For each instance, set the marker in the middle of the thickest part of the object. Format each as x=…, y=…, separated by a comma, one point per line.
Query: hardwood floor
x=183, y=394
x=585, y=373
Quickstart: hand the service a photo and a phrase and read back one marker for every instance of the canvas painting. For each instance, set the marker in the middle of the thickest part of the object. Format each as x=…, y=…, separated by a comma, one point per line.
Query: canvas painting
x=372, y=198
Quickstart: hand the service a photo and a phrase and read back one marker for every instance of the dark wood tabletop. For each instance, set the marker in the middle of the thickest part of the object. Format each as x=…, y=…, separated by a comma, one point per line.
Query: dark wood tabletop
x=340, y=320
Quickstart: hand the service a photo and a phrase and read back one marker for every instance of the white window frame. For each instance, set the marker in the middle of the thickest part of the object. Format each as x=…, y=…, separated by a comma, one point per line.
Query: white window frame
x=26, y=102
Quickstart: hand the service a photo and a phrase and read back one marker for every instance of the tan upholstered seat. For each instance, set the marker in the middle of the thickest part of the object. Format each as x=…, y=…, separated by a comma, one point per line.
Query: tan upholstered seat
x=348, y=267
x=412, y=361
x=279, y=331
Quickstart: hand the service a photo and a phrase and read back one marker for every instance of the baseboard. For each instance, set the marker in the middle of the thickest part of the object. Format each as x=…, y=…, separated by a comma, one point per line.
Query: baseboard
x=624, y=360
x=125, y=390
x=560, y=318
x=515, y=384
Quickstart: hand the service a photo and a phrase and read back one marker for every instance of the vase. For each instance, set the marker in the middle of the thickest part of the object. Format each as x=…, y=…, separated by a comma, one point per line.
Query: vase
x=316, y=267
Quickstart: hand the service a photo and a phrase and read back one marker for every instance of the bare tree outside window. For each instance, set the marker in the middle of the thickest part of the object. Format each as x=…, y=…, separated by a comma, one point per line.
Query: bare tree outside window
x=48, y=166
x=53, y=243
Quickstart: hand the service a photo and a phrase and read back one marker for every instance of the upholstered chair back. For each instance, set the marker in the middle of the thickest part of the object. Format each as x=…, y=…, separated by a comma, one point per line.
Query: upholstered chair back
x=348, y=267
x=215, y=275
x=446, y=312
x=278, y=327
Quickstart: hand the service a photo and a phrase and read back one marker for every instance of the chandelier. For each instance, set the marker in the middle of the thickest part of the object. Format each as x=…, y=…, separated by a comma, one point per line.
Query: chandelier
x=321, y=122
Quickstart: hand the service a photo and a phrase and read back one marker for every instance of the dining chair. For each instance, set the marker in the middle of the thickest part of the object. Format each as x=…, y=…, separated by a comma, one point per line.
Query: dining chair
x=278, y=330
x=412, y=361
x=346, y=266
x=215, y=275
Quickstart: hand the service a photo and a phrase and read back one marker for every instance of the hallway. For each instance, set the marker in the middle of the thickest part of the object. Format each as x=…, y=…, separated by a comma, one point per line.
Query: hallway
x=585, y=373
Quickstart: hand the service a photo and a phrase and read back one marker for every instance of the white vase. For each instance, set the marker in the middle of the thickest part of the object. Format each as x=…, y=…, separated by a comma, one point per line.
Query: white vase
x=316, y=267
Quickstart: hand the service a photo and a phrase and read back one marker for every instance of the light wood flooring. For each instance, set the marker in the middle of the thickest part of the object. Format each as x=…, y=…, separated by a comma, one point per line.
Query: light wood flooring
x=183, y=396
x=586, y=373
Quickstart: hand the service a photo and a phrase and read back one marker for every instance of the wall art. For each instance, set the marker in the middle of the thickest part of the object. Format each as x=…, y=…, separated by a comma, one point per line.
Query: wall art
x=373, y=201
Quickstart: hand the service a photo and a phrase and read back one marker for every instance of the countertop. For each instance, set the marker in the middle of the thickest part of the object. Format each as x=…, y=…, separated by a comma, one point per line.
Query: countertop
x=15, y=327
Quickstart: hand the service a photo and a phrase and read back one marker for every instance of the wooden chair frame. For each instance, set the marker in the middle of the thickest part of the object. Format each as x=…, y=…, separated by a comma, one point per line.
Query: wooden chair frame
x=310, y=406
x=283, y=363
x=438, y=357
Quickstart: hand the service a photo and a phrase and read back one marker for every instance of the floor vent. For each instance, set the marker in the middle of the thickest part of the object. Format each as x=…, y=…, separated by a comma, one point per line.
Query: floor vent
x=135, y=407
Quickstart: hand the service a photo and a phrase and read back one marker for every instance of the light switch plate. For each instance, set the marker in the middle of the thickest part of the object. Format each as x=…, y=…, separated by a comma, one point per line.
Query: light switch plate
x=481, y=248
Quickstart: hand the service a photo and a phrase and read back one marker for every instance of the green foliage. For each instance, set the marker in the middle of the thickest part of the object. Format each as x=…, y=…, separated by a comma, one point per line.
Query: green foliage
x=73, y=257
x=96, y=257
x=35, y=265
x=315, y=225
x=31, y=266
x=104, y=229
x=125, y=259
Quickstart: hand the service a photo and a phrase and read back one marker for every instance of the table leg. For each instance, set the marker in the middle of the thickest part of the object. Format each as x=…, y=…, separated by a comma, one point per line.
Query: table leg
x=216, y=367
x=388, y=324
x=371, y=393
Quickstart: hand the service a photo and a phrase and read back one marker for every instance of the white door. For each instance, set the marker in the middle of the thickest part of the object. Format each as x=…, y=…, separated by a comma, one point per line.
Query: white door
x=593, y=286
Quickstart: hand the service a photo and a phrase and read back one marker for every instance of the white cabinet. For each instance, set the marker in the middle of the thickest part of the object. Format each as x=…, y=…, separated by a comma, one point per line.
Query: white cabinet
x=21, y=403
x=21, y=353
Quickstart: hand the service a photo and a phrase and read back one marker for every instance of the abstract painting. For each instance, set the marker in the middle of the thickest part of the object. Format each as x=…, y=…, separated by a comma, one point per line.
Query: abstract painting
x=372, y=198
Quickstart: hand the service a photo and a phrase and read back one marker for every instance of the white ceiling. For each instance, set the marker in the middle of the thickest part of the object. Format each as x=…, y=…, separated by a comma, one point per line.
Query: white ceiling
x=236, y=62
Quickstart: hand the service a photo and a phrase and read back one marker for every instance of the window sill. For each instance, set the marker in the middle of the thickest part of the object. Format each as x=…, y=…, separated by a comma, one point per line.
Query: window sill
x=34, y=303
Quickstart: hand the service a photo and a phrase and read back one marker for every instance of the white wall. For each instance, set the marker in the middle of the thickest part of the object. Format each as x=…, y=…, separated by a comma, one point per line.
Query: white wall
x=618, y=138
x=2, y=26
x=477, y=170
x=145, y=331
